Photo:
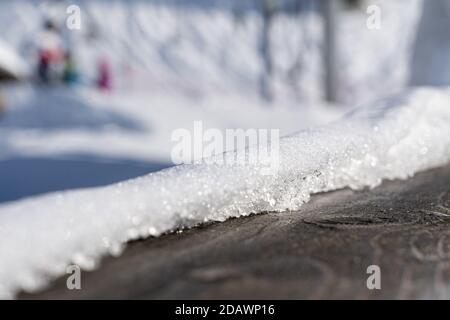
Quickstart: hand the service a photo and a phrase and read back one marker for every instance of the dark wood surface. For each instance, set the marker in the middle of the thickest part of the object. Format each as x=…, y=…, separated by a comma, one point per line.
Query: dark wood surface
x=321, y=251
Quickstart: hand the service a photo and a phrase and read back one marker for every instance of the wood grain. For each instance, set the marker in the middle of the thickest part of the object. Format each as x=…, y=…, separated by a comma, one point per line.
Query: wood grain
x=322, y=251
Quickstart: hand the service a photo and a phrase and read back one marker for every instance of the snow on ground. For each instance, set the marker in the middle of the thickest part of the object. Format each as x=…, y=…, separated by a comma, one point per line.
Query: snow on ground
x=377, y=62
x=11, y=62
x=58, y=122
x=391, y=139
x=174, y=63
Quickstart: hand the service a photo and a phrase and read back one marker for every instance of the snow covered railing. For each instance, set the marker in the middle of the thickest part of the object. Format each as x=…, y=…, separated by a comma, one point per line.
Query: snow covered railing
x=391, y=139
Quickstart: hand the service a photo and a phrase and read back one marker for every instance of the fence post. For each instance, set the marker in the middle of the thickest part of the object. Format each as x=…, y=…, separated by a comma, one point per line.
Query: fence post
x=329, y=9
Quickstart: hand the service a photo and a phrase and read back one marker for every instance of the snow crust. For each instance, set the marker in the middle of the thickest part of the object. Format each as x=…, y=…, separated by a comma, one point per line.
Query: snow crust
x=390, y=139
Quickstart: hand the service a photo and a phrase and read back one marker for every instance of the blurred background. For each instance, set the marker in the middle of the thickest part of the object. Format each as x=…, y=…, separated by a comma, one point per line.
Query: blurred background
x=90, y=94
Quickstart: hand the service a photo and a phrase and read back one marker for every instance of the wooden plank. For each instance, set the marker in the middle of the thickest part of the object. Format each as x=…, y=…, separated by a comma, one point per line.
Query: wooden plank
x=321, y=251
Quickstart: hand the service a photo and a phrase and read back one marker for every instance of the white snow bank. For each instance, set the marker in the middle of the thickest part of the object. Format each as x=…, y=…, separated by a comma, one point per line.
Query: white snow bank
x=139, y=126
x=11, y=62
x=391, y=139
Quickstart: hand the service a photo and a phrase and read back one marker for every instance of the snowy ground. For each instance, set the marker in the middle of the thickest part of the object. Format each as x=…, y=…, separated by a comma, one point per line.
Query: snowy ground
x=138, y=125
x=84, y=128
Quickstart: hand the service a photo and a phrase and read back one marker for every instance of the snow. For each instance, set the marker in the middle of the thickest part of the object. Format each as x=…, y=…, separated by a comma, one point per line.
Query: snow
x=376, y=62
x=176, y=63
x=11, y=62
x=156, y=49
x=391, y=139
x=138, y=126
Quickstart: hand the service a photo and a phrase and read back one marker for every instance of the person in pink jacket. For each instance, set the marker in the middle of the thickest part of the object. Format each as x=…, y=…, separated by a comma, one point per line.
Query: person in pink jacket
x=104, y=81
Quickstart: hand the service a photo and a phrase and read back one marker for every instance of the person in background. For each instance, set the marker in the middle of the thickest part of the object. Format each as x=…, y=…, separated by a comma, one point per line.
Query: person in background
x=44, y=67
x=50, y=52
x=71, y=75
x=104, y=81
